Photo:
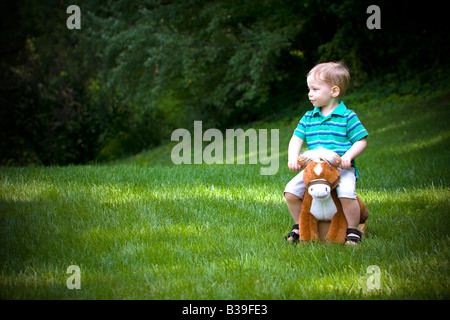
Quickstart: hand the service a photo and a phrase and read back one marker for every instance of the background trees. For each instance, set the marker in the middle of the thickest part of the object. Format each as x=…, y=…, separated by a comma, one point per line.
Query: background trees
x=139, y=69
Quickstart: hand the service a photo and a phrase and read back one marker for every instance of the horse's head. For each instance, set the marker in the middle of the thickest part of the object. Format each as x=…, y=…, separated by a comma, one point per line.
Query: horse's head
x=321, y=174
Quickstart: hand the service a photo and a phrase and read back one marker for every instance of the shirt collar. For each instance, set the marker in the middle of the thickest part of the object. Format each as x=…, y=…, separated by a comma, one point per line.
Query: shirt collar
x=339, y=110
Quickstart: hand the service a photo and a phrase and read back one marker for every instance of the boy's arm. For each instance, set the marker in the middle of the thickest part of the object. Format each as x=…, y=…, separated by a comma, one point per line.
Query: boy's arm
x=294, y=150
x=357, y=148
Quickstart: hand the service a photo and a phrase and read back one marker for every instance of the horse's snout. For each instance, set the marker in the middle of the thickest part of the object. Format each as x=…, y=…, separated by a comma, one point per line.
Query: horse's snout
x=319, y=190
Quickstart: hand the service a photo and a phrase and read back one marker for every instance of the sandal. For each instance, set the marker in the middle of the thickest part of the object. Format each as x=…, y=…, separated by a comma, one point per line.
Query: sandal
x=295, y=236
x=355, y=239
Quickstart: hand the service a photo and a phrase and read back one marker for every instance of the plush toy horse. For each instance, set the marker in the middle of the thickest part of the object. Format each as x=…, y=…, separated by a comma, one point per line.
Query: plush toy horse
x=321, y=177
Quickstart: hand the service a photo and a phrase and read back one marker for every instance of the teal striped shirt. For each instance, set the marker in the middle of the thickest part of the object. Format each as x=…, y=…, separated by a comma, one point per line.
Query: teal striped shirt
x=338, y=131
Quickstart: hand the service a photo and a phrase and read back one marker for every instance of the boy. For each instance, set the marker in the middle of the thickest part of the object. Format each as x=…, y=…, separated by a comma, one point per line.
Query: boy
x=332, y=126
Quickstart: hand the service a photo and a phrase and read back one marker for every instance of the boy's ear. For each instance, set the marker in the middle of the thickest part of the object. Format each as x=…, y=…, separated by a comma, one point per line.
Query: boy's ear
x=335, y=91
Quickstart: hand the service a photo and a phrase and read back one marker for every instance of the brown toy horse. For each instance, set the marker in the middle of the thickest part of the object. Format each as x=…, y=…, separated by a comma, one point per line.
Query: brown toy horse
x=321, y=203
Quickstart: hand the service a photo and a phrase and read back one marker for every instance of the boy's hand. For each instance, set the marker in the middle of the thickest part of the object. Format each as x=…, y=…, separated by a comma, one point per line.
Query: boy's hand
x=357, y=148
x=294, y=166
x=346, y=162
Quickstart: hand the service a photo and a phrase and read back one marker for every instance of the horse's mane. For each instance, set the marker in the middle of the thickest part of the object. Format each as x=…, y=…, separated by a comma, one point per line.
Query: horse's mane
x=321, y=154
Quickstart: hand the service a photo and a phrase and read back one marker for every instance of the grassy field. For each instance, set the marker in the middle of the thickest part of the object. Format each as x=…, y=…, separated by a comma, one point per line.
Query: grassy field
x=144, y=228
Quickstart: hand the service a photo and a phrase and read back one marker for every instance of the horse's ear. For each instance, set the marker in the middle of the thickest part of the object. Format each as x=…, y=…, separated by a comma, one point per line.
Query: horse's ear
x=336, y=161
x=302, y=160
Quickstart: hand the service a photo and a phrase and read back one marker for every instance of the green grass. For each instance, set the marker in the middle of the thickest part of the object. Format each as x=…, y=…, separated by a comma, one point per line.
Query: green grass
x=146, y=229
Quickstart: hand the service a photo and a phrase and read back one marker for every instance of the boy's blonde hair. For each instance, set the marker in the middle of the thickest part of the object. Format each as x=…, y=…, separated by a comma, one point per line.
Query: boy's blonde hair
x=333, y=73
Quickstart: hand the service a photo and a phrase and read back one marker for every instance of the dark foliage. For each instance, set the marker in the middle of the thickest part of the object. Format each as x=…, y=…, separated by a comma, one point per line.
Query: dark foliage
x=139, y=69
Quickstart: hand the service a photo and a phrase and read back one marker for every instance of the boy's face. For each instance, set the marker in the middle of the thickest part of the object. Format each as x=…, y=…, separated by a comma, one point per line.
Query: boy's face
x=321, y=94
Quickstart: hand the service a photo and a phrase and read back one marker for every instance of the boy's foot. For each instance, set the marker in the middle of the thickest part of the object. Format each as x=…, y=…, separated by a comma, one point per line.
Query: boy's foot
x=293, y=236
x=353, y=236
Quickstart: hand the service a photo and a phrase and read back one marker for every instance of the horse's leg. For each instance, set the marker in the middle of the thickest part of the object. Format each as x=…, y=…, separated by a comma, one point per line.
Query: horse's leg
x=338, y=227
x=308, y=223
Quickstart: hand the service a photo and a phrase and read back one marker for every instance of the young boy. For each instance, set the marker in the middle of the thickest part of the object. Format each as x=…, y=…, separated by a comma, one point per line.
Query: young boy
x=332, y=126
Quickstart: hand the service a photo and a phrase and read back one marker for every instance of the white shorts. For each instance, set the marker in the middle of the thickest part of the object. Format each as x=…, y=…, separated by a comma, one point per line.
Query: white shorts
x=345, y=189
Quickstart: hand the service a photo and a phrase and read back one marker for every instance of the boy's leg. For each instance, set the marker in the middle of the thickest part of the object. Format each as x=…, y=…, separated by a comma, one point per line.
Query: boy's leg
x=294, y=205
x=350, y=206
x=293, y=193
x=352, y=213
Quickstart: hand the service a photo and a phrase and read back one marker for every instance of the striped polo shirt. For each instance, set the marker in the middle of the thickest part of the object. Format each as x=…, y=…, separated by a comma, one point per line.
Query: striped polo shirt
x=338, y=131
